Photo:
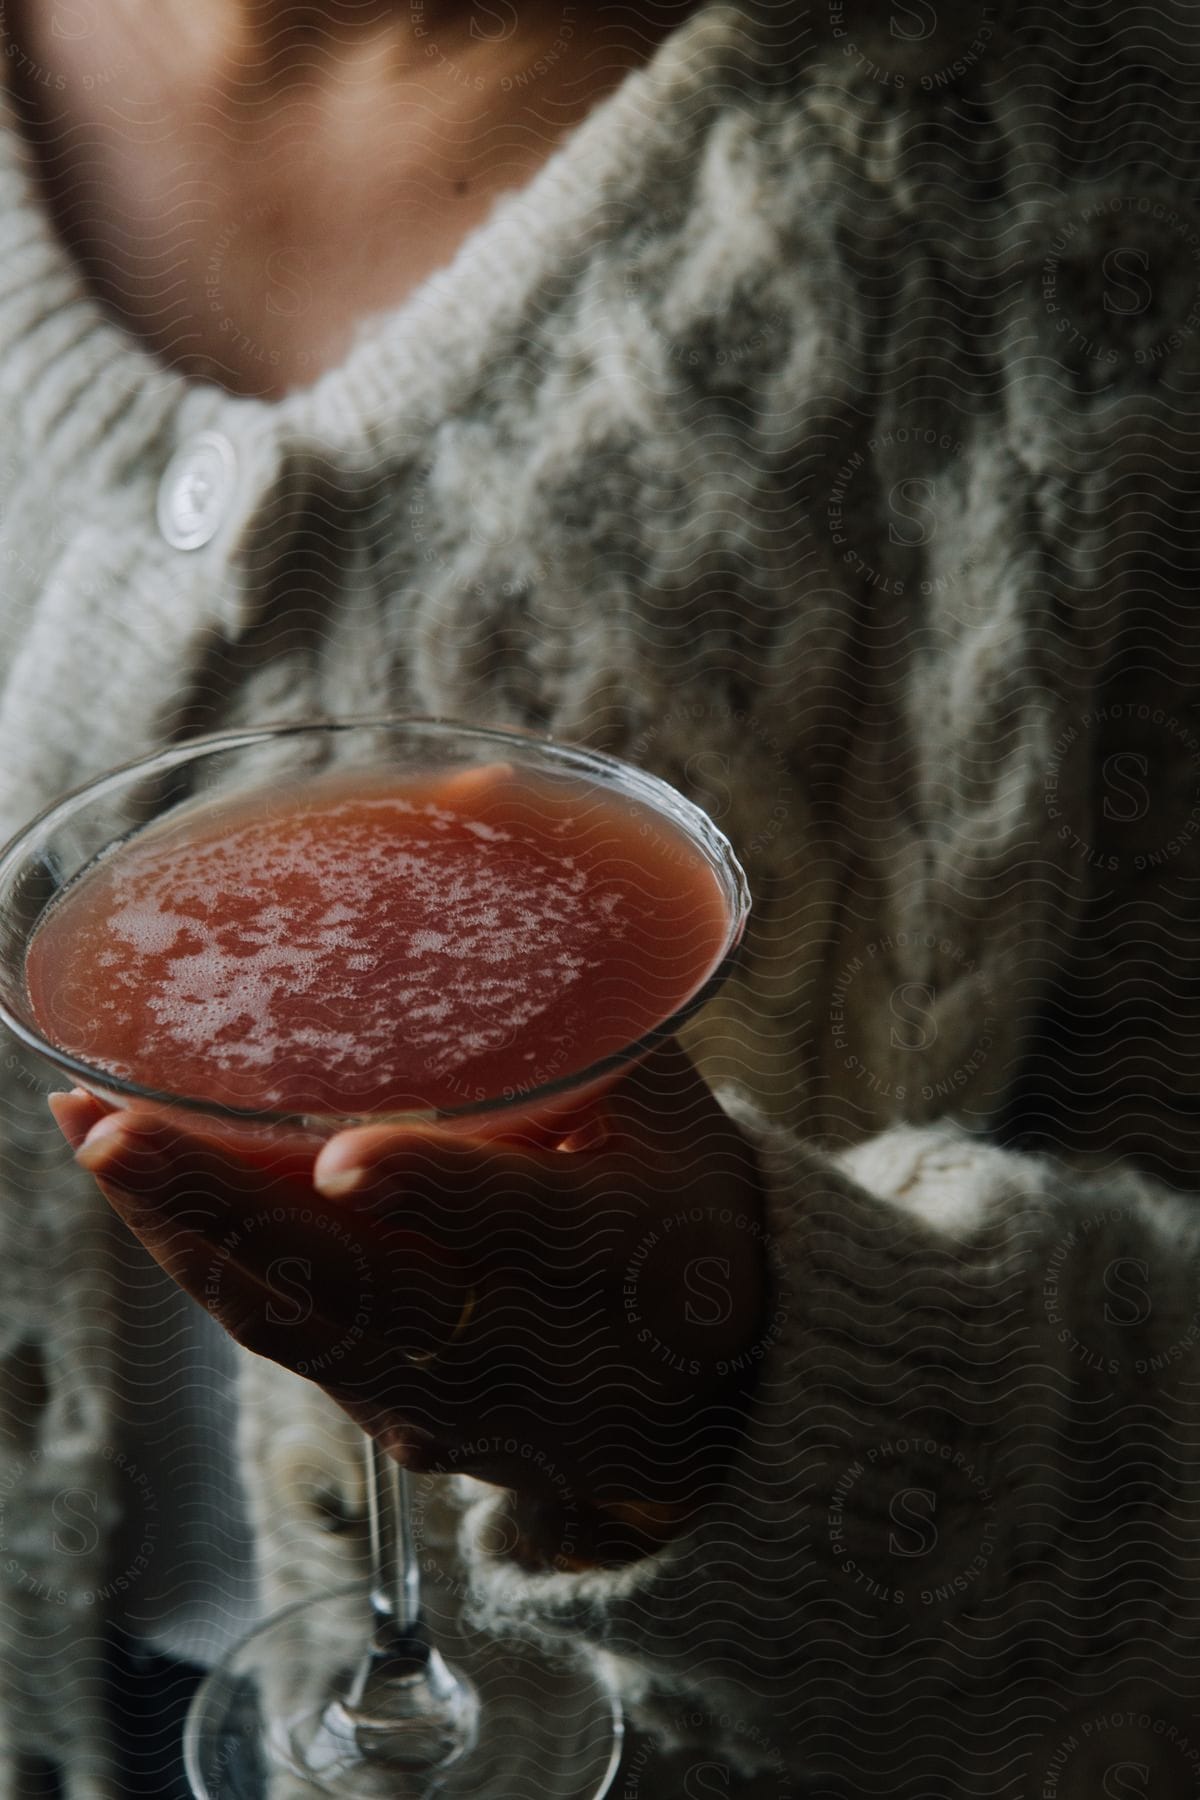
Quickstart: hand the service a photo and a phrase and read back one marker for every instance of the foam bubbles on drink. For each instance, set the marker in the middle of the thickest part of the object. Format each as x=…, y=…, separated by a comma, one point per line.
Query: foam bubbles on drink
x=361, y=950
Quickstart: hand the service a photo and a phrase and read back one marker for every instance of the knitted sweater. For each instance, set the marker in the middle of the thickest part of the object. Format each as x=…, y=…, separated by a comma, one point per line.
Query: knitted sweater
x=814, y=430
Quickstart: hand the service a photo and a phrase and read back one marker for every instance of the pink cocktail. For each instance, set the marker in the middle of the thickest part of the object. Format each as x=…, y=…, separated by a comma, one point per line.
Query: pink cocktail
x=366, y=943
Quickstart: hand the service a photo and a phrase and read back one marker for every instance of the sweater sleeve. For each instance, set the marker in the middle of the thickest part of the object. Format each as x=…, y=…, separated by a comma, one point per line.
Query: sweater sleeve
x=965, y=1479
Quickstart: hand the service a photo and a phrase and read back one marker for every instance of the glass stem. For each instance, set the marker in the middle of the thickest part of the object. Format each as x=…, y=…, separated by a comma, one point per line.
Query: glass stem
x=395, y=1571
x=405, y=1709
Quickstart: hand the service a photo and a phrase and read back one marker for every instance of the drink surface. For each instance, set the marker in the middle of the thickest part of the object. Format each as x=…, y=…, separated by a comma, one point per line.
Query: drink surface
x=364, y=944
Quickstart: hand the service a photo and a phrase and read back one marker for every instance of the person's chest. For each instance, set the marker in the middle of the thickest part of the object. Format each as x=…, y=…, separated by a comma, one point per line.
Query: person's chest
x=248, y=268
x=243, y=232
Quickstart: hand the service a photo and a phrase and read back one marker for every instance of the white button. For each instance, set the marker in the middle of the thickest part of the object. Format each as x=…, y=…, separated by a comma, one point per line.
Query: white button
x=195, y=491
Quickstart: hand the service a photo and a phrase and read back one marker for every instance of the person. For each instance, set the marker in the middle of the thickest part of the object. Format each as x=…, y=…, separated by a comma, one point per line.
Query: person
x=794, y=400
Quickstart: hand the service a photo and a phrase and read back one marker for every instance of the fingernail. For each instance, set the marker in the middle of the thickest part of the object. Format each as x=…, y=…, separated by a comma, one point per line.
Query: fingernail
x=472, y=784
x=336, y=1183
x=338, y=1169
x=97, y=1147
x=57, y=1104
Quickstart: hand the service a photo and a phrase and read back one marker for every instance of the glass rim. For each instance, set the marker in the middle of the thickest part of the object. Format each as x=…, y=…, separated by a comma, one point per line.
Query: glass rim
x=658, y=795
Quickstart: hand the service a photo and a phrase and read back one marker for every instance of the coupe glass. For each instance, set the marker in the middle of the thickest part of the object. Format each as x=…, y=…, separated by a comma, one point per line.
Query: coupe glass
x=412, y=1703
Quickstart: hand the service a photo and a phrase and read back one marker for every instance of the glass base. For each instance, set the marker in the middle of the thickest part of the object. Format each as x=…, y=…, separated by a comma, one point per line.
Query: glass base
x=269, y=1723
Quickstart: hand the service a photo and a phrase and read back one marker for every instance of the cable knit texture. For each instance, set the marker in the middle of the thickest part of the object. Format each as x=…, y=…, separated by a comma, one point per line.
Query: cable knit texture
x=914, y=1555
x=816, y=430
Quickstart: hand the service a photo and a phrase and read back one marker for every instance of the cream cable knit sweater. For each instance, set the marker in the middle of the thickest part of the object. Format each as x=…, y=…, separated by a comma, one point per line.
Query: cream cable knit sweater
x=817, y=430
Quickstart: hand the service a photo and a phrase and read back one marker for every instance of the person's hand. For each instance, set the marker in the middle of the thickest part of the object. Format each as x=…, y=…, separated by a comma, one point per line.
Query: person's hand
x=483, y=1307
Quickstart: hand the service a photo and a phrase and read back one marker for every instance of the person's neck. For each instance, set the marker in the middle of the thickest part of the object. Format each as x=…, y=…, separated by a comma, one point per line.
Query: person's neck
x=363, y=156
x=267, y=44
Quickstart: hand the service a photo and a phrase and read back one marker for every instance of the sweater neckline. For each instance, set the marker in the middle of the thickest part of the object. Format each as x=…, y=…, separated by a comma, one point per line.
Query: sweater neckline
x=407, y=364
